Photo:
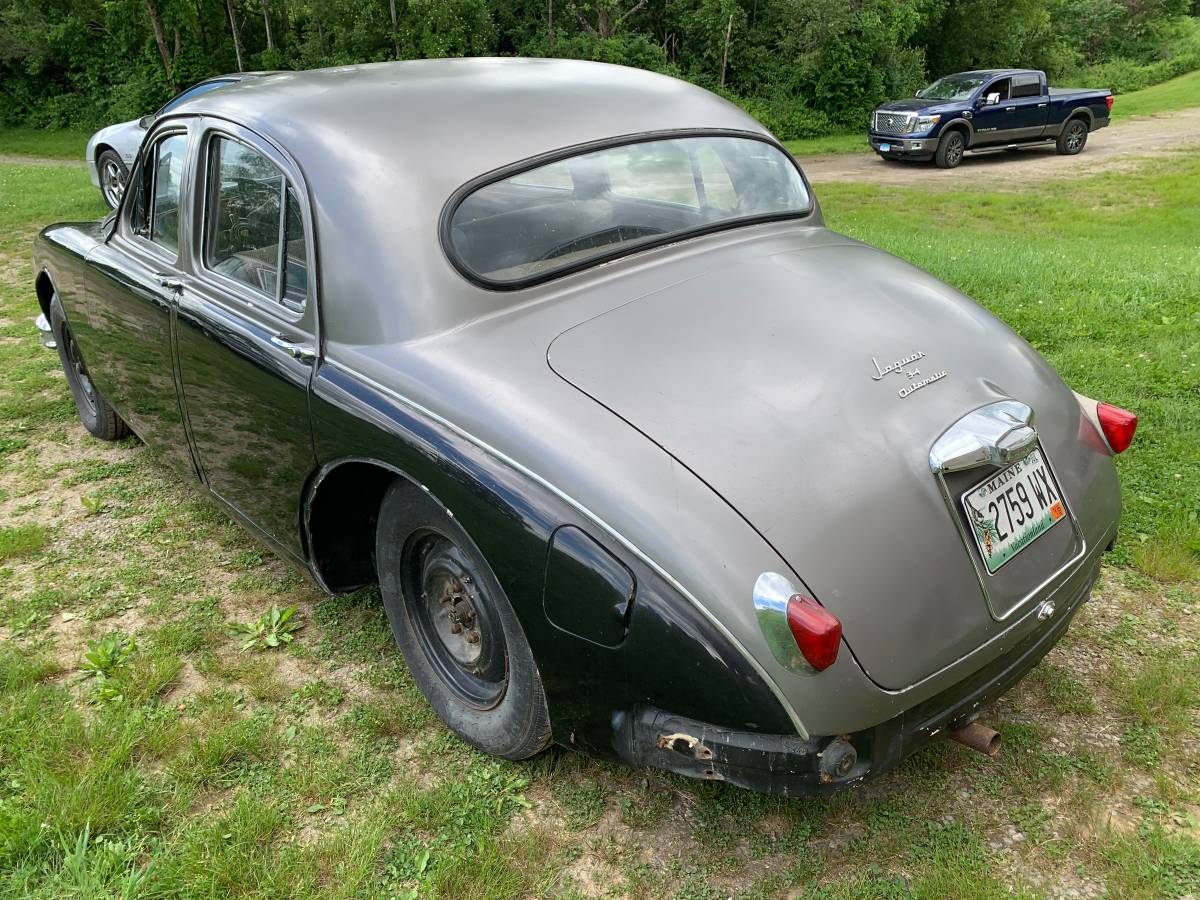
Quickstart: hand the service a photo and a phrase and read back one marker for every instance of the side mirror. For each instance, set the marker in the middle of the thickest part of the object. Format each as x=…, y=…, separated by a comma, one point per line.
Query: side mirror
x=145, y=122
x=991, y=99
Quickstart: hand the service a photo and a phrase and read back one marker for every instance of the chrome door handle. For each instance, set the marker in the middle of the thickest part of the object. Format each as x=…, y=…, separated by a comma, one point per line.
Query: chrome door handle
x=170, y=282
x=1041, y=106
x=293, y=347
x=1010, y=109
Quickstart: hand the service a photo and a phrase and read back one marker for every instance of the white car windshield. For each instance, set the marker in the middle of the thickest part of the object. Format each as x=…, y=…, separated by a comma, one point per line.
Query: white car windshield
x=580, y=210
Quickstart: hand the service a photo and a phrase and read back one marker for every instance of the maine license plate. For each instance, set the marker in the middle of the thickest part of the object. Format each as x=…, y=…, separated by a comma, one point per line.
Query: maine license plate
x=885, y=147
x=1013, y=508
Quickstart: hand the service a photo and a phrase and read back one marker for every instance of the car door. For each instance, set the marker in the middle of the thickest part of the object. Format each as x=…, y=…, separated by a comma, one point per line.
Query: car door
x=128, y=335
x=247, y=332
x=995, y=121
x=1030, y=106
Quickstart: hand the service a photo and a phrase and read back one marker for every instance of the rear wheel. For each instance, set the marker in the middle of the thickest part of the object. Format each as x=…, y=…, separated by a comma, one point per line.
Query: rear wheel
x=94, y=412
x=113, y=177
x=458, y=633
x=1073, y=137
x=950, y=149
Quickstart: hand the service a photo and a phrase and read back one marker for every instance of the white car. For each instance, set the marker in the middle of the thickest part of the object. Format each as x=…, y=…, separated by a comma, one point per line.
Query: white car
x=112, y=149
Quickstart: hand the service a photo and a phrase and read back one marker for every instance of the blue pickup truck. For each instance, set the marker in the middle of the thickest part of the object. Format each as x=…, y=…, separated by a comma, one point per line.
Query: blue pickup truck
x=990, y=109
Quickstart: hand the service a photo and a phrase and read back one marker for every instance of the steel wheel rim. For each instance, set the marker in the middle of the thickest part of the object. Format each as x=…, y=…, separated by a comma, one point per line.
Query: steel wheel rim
x=86, y=390
x=954, y=150
x=1075, y=137
x=455, y=620
x=114, y=184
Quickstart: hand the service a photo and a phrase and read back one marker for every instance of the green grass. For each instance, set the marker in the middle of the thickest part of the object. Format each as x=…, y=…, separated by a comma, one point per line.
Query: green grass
x=144, y=754
x=852, y=142
x=65, y=144
x=1178, y=93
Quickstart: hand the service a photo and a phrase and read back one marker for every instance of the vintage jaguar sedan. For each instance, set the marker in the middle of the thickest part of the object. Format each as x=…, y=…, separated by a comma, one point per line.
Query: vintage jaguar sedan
x=644, y=459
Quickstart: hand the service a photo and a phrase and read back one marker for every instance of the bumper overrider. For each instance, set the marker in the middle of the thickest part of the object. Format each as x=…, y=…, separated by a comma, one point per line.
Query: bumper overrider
x=903, y=147
x=795, y=766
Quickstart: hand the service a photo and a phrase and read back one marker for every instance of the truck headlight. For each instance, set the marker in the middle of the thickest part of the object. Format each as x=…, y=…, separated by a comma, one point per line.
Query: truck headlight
x=924, y=123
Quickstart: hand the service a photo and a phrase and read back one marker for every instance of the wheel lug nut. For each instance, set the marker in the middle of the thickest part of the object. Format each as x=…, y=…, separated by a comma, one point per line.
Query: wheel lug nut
x=472, y=638
x=456, y=628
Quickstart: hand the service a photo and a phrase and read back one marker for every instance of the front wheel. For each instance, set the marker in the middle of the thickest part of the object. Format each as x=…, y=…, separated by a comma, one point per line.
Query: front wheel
x=113, y=177
x=950, y=150
x=94, y=412
x=1073, y=138
x=458, y=633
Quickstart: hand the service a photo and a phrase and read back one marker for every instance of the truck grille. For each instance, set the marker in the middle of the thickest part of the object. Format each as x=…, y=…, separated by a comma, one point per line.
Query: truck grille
x=894, y=123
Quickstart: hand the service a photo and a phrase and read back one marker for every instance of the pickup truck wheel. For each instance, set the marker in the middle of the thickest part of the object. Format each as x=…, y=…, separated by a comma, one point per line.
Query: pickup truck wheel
x=94, y=412
x=113, y=177
x=950, y=150
x=459, y=635
x=1073, y=137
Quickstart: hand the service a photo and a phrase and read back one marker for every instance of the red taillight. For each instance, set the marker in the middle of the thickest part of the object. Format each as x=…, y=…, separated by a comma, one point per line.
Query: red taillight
x=1117, y=424
x=817, y=631
x=1109, y=100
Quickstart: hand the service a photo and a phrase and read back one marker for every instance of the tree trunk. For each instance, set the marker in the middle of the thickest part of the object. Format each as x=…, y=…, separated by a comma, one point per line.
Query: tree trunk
x=237, y=41
x=395, y=38
x=160, y=38
x=550, y=19
x=267, y=25
x=724, y=53
x=285, y=24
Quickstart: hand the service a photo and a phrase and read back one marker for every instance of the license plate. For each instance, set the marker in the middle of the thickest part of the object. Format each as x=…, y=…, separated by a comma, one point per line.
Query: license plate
x=885, y=147
x=1013, y=508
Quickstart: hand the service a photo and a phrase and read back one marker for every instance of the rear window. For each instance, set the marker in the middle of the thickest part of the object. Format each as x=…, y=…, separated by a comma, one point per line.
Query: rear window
x=594, y=206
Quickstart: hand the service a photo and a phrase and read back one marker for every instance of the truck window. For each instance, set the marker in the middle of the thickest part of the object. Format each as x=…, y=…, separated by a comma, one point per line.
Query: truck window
x=1026, y=86
x=1000, y=87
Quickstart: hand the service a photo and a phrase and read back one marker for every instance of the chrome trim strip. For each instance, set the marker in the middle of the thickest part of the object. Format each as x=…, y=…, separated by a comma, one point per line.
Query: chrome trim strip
x=578, y=506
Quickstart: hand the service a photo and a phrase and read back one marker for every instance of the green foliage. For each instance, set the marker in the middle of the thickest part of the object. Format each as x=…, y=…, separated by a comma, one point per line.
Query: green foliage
x=805, y=67
x=273, y=628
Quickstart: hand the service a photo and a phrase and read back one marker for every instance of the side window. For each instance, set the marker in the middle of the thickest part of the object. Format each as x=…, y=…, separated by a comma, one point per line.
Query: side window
x=999, y=87
x=169, y=156
x=254, y=233
x=1026, y=86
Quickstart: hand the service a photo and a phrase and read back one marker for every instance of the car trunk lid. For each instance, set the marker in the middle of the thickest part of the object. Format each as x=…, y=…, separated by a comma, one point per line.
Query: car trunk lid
x=807, y=389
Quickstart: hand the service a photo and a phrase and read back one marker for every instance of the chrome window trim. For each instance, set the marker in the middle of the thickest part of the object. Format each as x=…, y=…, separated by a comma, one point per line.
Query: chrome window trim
x=243, y=292
x=594, y=518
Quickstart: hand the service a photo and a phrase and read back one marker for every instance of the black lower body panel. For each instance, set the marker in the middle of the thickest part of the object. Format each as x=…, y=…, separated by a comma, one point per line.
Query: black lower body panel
x=794, y=766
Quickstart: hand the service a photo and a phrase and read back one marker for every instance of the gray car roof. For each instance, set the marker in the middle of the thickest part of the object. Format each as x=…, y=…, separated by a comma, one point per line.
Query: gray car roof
x=384, y=146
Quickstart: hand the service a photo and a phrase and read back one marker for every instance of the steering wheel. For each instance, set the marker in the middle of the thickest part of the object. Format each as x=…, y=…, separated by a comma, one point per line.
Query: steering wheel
x=599, y=238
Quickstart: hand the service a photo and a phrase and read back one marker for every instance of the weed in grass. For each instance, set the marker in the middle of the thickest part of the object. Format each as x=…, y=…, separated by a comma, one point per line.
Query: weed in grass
x=22, y=540
x=1163, y=693
x=583, y=801
x=1064, y=692
x=274, y=628
x=92, y=505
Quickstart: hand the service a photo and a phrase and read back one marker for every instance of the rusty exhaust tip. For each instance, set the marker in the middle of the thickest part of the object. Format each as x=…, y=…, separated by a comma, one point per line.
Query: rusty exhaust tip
x=978, y=737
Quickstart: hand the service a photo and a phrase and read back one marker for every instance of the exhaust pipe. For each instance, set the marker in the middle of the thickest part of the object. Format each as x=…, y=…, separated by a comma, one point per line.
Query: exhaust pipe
x=977, y=737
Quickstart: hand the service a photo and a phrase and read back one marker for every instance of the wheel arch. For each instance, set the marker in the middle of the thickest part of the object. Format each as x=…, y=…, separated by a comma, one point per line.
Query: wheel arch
x=100, y=148
x=340, y=517
x=1081, y=113
x=959, y=124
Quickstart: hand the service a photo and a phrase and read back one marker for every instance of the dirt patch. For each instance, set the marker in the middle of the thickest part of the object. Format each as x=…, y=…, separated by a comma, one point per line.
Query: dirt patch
x=1115, y=148
x=19, y=160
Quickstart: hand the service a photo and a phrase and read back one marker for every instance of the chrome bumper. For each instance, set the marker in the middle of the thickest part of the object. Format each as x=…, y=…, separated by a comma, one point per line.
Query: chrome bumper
x=45, y=332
